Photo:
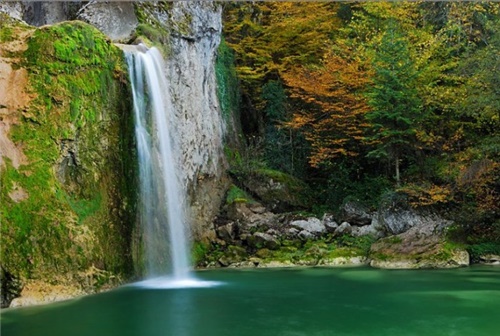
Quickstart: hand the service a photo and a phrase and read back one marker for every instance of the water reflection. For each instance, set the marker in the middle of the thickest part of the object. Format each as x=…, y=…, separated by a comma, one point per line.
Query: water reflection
x=285, y=302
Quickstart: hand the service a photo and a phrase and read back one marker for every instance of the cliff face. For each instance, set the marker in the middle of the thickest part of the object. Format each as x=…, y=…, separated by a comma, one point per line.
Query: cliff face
x=194, y=92
x=67, y=209
x=66, y=133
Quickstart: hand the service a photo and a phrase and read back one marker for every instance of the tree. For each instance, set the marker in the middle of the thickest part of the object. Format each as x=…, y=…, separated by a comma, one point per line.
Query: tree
x=332, y=108
x=395, y=105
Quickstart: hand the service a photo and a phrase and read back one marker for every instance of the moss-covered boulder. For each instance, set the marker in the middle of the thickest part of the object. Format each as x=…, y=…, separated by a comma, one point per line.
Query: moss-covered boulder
x=67, y=195
x=278, y=191
x=419, y=247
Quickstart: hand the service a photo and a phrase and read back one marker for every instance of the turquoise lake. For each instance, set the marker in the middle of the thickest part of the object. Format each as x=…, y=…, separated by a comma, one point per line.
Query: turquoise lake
x=297, y=301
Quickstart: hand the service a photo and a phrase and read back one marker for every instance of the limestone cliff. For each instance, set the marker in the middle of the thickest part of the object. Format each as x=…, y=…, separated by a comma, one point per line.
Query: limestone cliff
x=189, y=34
x=67, y=165
x=65, y=132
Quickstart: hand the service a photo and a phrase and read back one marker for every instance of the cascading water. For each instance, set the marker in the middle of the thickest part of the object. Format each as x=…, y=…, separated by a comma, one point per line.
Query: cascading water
x=162, y=213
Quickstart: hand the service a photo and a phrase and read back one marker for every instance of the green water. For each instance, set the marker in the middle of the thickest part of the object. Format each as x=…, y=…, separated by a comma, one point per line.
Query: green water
x=313, y=301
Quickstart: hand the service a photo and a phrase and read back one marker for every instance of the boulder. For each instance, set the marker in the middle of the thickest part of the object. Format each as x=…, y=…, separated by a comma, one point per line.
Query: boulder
x=490, y=259
x=293, y=233
x=312, y=225
x=233, y=254
x=396, y=216
x=227, y=232
x=263, y=240
x=356, y=214
x=305, y=235
x=248, y=215
x=375, y=229
x=278, y=191
x=116, y=20
x=329, y=222
x=419, y=247
x=343, y=229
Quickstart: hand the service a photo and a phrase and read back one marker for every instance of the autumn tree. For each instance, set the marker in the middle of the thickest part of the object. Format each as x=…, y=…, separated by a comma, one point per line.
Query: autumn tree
x=331, y=113
x=395, y=105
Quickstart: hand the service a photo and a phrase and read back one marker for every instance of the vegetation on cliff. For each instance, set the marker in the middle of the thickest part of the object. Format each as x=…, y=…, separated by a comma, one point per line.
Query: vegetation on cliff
x=74, y=223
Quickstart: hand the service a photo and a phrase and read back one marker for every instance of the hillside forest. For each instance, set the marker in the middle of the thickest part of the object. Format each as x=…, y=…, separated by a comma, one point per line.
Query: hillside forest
x=372, y=101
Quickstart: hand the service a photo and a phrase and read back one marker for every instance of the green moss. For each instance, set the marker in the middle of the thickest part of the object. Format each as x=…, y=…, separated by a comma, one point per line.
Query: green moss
x=237, y=195
x=478, y=250
x=72, y=221
x=227, y=83
x=199, y=252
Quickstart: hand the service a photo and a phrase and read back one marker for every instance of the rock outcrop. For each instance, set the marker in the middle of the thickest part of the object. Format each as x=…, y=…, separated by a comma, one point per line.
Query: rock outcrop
x=191, y=35
x=421, y=246
x=117, y=20
x=65, y=155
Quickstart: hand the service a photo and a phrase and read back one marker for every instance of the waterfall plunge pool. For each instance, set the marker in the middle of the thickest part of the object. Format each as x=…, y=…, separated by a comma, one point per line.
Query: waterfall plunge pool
x=296, y=301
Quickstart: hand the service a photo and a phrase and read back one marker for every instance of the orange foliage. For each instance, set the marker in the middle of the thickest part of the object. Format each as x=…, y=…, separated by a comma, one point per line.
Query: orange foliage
x=332, y=111
x=427, y=194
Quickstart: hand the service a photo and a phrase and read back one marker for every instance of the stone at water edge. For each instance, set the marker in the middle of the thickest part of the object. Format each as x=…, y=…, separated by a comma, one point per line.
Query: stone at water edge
x=344, y=261
x=419, y=247
x=490, y=259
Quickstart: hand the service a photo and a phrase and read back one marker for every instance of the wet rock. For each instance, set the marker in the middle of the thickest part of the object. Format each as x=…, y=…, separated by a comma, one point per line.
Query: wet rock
x=11, y=287
x=490, y=259
x=275, y=264
x=344, y=261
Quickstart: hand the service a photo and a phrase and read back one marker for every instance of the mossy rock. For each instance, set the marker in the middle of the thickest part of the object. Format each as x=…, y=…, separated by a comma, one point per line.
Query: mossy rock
x=233, y=254
x=76, y=134
x=278, y=191
x=410, y=250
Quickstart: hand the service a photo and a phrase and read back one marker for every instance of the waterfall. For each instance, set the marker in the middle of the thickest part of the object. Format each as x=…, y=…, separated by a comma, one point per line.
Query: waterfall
x=162, y=214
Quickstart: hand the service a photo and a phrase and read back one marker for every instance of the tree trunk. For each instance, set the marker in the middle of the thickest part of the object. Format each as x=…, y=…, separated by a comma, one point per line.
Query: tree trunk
x=397, y=171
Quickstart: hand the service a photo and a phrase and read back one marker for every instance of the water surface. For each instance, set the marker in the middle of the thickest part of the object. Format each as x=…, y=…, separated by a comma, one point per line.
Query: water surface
x=301, y=301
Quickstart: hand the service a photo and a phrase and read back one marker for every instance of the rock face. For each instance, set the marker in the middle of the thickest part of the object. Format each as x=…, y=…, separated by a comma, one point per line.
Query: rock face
x=195, y=36
x=189, y=33
x=64, y=191
x=117, y=20
x=396, y=216
x=419, y=247
x=276, y=190
x=356, y=214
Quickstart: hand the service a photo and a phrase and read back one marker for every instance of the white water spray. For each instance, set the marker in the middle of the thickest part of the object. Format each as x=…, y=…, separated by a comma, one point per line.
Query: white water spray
x=162, y=212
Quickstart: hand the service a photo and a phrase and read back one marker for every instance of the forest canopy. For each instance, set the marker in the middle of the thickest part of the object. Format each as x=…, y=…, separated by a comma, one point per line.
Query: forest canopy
x=366, y=99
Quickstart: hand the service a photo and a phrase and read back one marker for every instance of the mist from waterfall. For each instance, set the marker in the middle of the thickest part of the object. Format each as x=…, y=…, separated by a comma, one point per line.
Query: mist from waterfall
x=161, y=203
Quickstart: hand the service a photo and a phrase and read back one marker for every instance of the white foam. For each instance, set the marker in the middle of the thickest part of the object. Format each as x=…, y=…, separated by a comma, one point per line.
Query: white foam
x=170, y=283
